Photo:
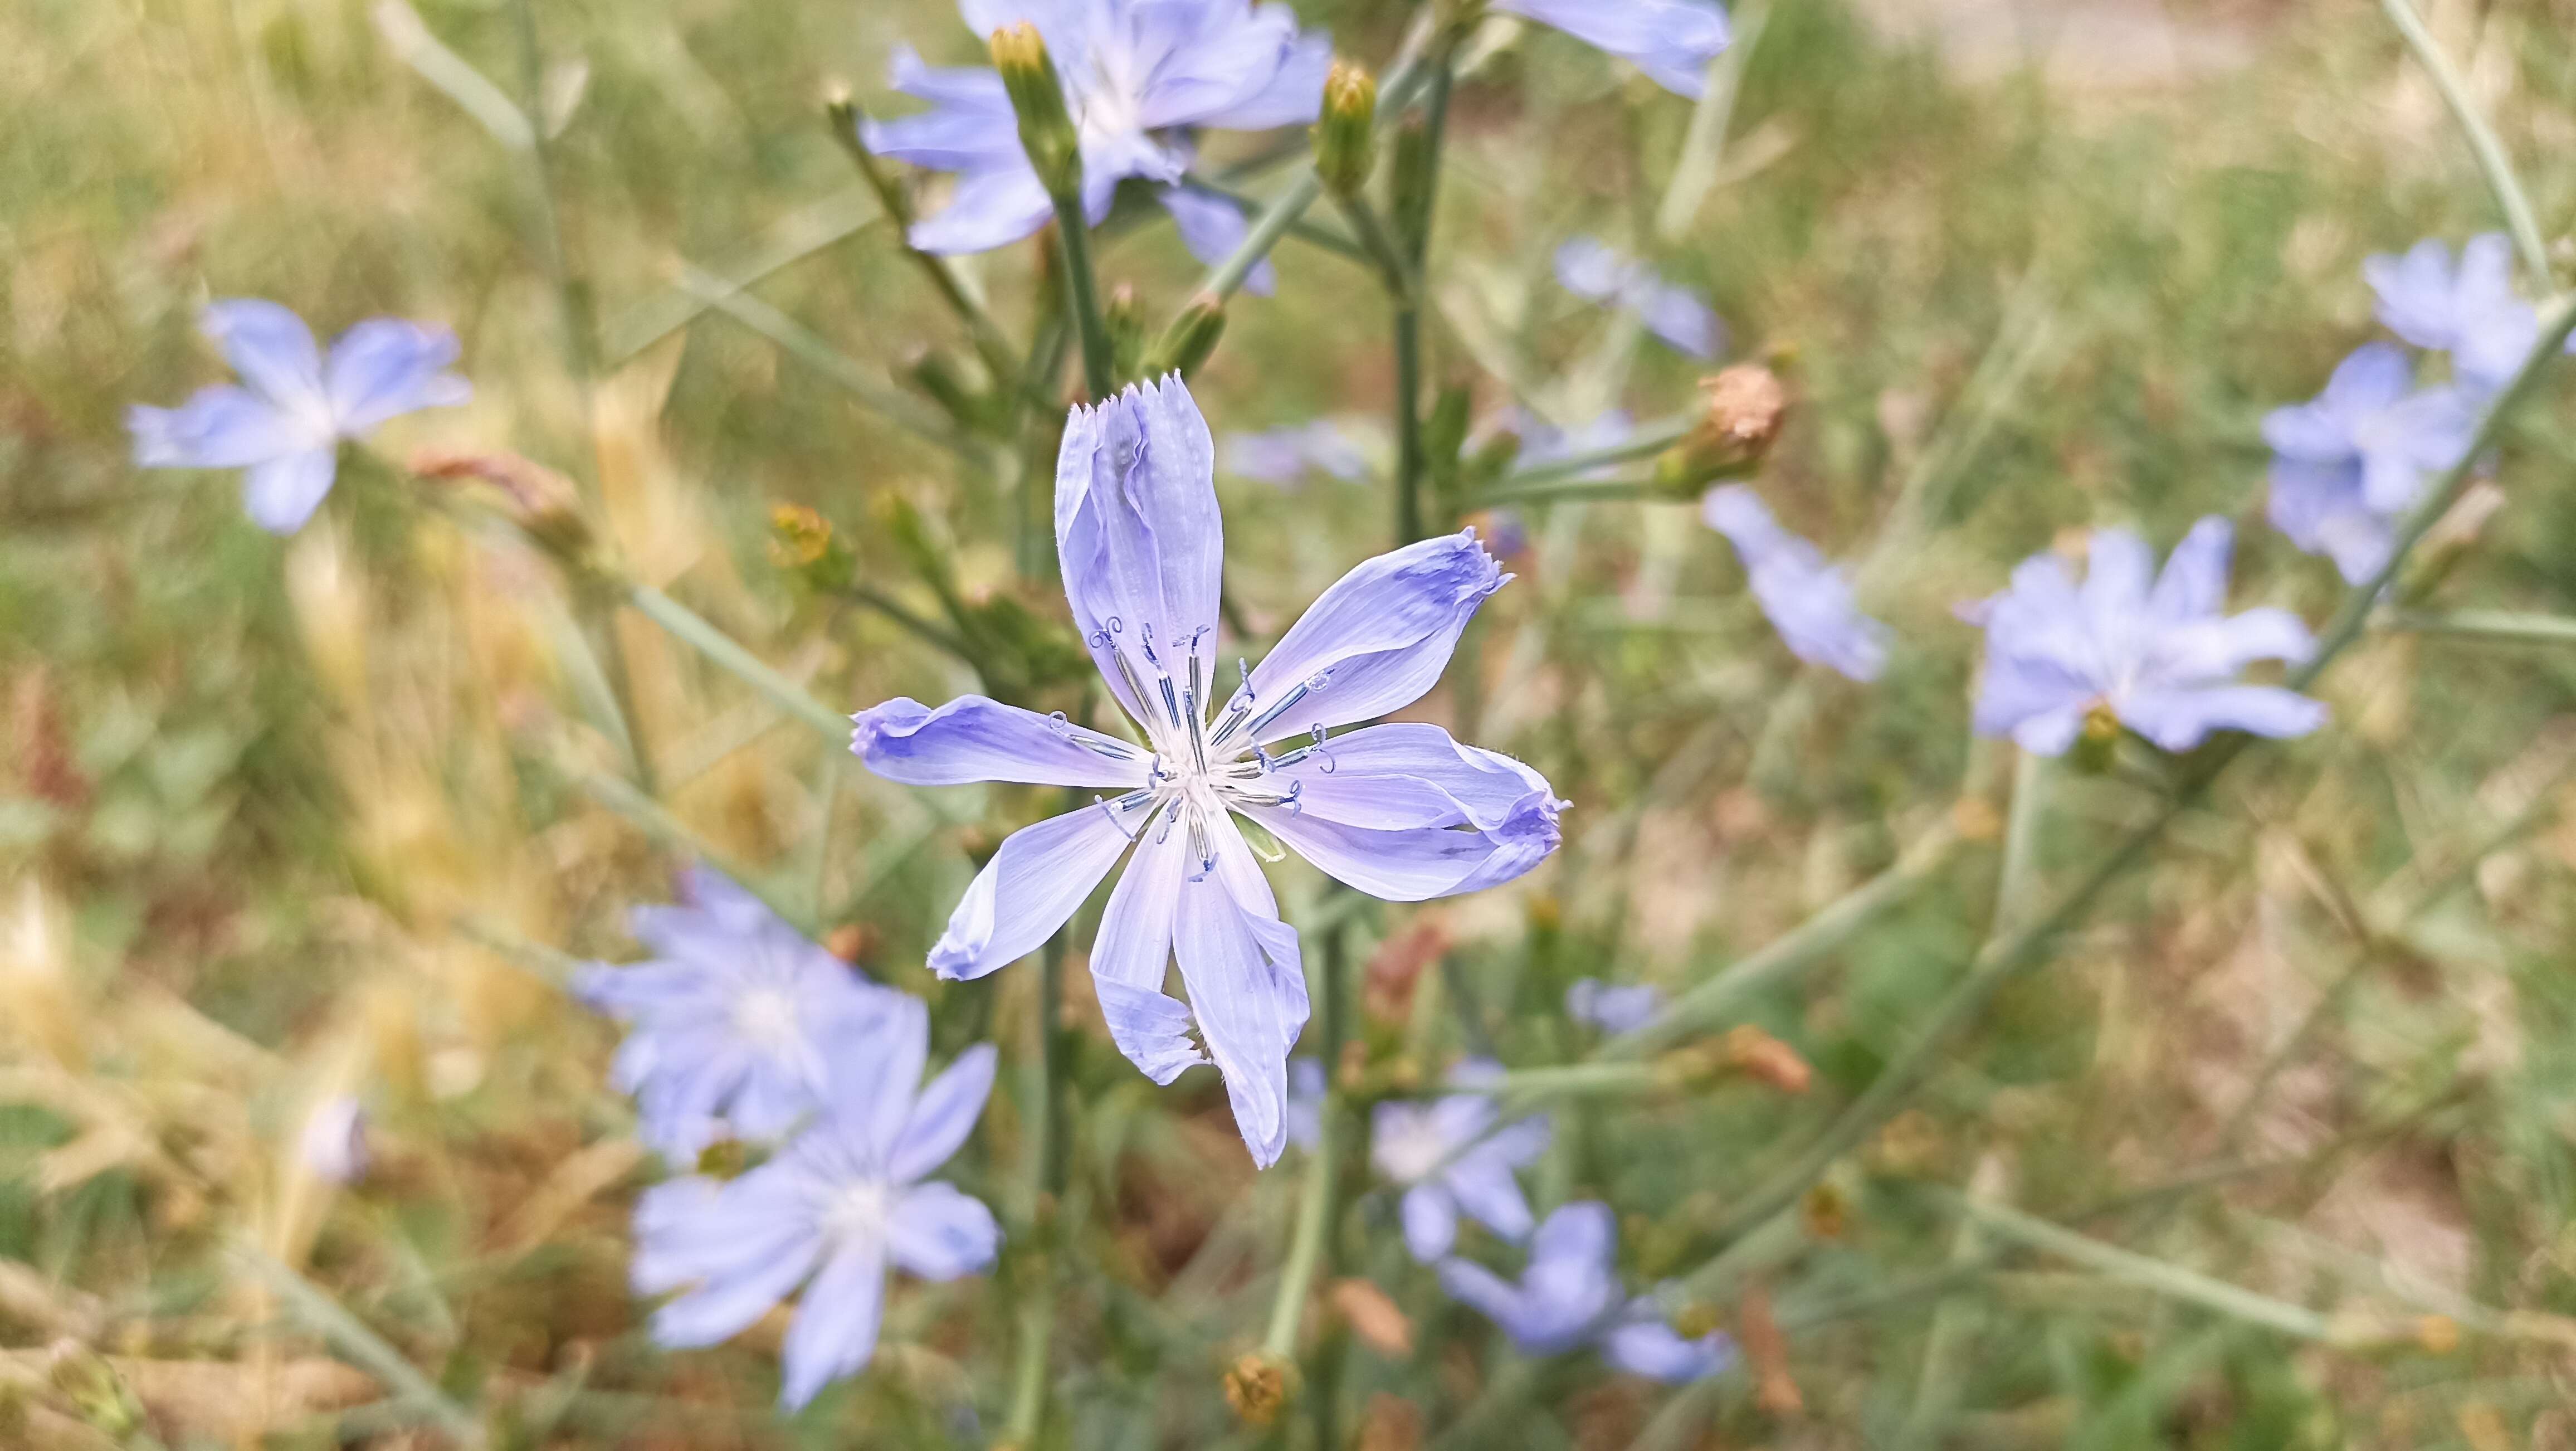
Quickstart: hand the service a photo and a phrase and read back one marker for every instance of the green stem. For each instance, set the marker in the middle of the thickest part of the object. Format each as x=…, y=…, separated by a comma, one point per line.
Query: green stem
x=2518, y=217
x=1305, y=231
x=1049, y=1164
x=1377, y=246
x=1319, y=1194
x=811, y=349
x=1645, y=444
x=1082, y=291
x=989, y=342
x=2513, y=627
x=723, y=651
x=1227, y=277
x=573, y=312
x=1836, y=923
x=2133, y=1268
x=1415, y=213
x=1704, y=144
x=903, y=615
x=361, y=1346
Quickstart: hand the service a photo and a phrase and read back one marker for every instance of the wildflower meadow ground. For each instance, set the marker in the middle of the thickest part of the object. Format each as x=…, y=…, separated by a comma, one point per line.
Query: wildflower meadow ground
x=1099, y=725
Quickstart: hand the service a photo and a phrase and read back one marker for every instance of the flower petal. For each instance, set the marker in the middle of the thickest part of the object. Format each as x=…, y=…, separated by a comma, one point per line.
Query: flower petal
x=1139, y=537
x=1027, y=891
x=943, y=1115
x=218, y=428
x=270, y=347
x=2194, y=582
x=1294, y=94
x=1679, y=316
x=385, y=367
x=1484, y=1187
x=940, y=1232
x=1672, y=41
x=281, y=493
x=1131, y=956
x=2178, y=720
x=1408, y=774
x=972, y=738
x=1430, y=1218
x=1247, y=985
x=1378, y=639
x=1211, y=227
x=988, y=209
x=727, y=1304
x=1414, y=864
x=835, y=1330
x=871, y=1083
x=970, y=126
x=1645, y=1345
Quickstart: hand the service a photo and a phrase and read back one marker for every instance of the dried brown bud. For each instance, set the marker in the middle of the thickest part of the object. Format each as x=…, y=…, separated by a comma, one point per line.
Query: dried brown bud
x=1758, y=1055
x=1825, y=1213
x=1373, y=1317
x=1746, y=407
x=1391, y=1424
x=1258, y=1386
x=543, y=502
x=1767, y=1351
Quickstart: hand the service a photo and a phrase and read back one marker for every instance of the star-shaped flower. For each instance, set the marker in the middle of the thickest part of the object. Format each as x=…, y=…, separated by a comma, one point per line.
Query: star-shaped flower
x=1569, y=1296
x=1452, y=1159
x=2348, y=465
x=2471, y=312
x=1401, y=812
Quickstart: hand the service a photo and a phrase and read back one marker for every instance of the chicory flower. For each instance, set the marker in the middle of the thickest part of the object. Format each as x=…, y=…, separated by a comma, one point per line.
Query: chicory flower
x=2155, y=651
x=1140, y=76
x=2351, y=463
x=1613, y=1008
x=2471, y=311
x=1672, y=41
x=733, y=1020
x=1590, y=268
x=846, y=1199
x=1806, y=599
x=283, y=426
x=1453, y=1160
x=1398, y=811
x=1569, y=1296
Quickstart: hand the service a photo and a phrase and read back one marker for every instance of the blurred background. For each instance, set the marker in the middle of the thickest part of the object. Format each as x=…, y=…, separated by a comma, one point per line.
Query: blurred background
x=285, y=820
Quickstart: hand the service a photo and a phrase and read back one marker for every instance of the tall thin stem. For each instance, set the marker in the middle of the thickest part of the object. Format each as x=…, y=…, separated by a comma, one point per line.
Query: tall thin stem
x=1048, y=1167
x=1414, y=215
x=2518, y=217
x=1317, y=1204
x=1082, y=293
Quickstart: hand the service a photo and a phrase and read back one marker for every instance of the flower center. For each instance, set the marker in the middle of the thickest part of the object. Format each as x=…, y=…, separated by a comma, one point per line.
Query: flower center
x=1201, y=769
x=768, y=1017
x=1411, y=1149
x=860, y=1210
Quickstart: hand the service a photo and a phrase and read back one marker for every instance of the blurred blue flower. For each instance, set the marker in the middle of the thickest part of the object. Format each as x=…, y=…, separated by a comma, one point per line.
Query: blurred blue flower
x=1285, y=456
x=1306, y=1085
x=1806, y=599
x=837, y=1206
x=2471, y=312
x=731, y=1022
x=1670, y=40
x=1590, y=268
x=1401, y=812
x=1453, y=1159
x=1570, y=1297
x=2156, y=651
x=334, y=1142
x=1613, y=1008
x=1139, y=77
x=284, y=428
x=2348, y=465
x=1544, y=443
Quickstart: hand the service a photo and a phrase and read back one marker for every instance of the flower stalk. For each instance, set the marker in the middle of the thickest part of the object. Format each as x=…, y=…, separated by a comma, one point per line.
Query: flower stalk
x=2519, y=219
x=1054, y=149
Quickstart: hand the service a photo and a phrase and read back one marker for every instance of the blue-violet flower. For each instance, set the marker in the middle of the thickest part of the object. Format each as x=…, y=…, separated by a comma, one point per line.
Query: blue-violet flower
x=1570, y=1297
x=283, y=428
x=1592, y=269
x=1613, y=1008
x=838, y=1205
x=1452, y=1159
x=2351, y=463
x=2157, y=651
x=1401, y=812
x=1806, y=599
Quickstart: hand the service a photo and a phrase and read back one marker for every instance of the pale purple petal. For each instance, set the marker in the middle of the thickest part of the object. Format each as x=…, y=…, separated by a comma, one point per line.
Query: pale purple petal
x=2320, y=509
x=271, y=348
x=1131, y=956
x=969, y=128
x=1590, y=268
x=1415, y=864
x=218, y=428
x=1672, y=41
x=1027, y=891
x=1430, y=1221
x=1378, y=639
x=1294, y=95
x=2179, y=719
x=972, y=738
x=939, y=1232
x=1247, y=987
x=872, y=1081
x=1212, y=227
x=1679, y=316
x=2194, y=581
x=1485, y=1189
x=333, y=1145
x=1806, y=599
x=1643, y=1344
x=835, y=1330
x=988, y=209
x=1138, y=534
x=1409, y=774
x=727, y=1304
x=943, y=1115
x=1613, y=1008
x=281, y=493
x=386, y=367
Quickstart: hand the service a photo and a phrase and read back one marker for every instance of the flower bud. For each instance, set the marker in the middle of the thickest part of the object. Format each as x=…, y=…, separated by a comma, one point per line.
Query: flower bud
x=2098, y=740
x=1037, y=95
x=1190, y=339
x=801, y=542
x=1346, y=135
x=543, y=503
x=1747, y=405
x=1258, y=1387
x=1123, y=316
